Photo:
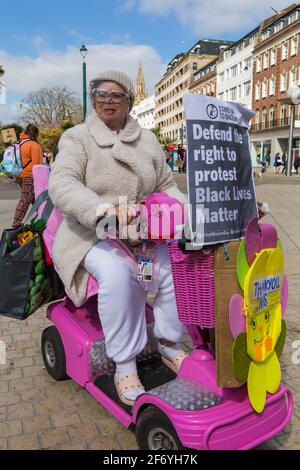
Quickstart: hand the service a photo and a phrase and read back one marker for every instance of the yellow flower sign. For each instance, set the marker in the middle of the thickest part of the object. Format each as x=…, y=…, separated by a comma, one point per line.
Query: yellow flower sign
x=256, y=352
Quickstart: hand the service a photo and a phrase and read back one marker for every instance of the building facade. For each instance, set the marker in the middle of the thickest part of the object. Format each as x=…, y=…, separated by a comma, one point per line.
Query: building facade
x=276, y=58
x=144, y=112
x=170, y=89
x=204, y=81
x=234, y=71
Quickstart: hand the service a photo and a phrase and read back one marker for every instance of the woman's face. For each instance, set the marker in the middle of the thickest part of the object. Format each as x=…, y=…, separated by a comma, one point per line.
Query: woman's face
x=113, y=114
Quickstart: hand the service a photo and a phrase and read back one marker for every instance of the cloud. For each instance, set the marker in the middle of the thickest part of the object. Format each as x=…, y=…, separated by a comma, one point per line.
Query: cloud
x=54, y=68
x=10, y=113
x=209, y=17
x=37, y=43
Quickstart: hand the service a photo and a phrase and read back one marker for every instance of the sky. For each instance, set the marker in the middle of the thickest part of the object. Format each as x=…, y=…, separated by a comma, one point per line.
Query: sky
x=39, y=43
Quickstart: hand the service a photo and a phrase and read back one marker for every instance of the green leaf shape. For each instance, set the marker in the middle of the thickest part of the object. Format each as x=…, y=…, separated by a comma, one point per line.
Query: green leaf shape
x=241, y=360
x=281, y=340
x=242, y=265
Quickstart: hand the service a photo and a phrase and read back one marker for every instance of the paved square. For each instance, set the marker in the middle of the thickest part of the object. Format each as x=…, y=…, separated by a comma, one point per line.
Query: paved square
x=38, y=413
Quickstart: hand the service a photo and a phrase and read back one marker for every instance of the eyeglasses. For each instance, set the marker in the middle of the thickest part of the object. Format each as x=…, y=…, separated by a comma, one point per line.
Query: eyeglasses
x=114, y=97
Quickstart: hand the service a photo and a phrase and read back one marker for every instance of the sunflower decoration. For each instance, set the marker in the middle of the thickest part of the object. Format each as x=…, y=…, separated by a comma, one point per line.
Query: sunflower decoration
x=256, y=318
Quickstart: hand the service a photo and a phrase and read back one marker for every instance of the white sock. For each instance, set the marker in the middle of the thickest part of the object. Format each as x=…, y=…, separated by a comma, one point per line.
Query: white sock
x=128, y=367
x=169, y=352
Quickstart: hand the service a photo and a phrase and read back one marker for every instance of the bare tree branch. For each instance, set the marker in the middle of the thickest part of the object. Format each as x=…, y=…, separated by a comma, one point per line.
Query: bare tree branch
x=52, y=107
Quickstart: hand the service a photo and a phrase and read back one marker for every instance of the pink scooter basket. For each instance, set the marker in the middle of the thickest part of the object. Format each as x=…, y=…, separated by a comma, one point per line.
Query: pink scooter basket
x=195, y=300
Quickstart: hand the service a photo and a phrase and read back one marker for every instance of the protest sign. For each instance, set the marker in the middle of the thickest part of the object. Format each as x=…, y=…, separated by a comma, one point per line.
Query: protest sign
x=220, y=183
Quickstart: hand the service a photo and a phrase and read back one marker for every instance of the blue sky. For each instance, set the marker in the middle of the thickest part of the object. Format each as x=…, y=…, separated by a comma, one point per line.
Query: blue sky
x=39, y=47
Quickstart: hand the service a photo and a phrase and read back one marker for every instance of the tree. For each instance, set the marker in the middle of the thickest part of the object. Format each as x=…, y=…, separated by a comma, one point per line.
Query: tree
x=161, y=139
x=49, y=137
x=51, y=107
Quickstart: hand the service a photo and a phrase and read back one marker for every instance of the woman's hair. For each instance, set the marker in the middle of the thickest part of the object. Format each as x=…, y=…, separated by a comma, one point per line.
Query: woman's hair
x=32, y=131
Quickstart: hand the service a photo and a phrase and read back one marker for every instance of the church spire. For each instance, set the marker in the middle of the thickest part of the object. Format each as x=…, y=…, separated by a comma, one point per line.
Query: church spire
x=140, y=93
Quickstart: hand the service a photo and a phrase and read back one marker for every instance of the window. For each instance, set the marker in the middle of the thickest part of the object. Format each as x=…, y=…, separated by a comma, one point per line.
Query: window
x=272, y=86
x=195, y=66
x=240, y=67
x=257, y=117
x=257, y=91
x=278, y=26
x=239, y=91
x=293, y=17
x=227, y=74
x=266, y=60
x=283, y=82
x=284, y=51
x=264, y=116
x=273, y=56
x=294, y=45
x=293, y=77
x=264, y=88
x=233, y=94
x=271, y=116
x=248, y=63
x=222, y=76
x=247, y=88
x=283, y=115
x=265, y=35
x=234, y=71
x=258, y=64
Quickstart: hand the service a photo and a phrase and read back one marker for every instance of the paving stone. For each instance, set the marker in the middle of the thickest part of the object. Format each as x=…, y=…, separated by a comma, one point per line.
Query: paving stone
x=36, y=424
x=50, y=439
x=65, y=418
x=47, y=406
x=20, y=410
x=25, y=442
x=3, y=444
x=10, y=428
x=104, y=443
x=127, y=440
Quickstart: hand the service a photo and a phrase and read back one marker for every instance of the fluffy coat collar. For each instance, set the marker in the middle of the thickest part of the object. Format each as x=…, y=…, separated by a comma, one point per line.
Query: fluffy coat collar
x=104, y=137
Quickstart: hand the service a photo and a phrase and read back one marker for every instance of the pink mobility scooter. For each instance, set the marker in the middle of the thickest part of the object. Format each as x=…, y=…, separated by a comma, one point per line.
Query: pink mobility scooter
x=197, y=409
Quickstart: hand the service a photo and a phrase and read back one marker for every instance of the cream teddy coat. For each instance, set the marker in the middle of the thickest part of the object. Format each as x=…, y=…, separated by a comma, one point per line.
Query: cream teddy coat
x=95, y=166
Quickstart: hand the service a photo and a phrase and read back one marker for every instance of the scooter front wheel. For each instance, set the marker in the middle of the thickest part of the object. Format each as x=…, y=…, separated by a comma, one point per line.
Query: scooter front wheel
x=53, y=352
x=154, y=431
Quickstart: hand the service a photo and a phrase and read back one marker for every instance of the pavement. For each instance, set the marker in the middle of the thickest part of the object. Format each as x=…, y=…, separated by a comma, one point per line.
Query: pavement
x=37, y=412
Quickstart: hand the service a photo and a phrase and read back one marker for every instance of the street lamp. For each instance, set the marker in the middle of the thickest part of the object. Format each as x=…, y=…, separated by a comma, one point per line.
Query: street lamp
x=294, y=95
x=83, y=51
x=293, y=98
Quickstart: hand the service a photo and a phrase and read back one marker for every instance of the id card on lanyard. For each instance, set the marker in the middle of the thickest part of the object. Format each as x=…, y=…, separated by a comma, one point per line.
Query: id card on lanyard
x=145, y=269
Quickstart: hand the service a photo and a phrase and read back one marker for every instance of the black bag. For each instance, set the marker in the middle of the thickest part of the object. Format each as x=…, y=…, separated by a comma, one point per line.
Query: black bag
x=26, y=282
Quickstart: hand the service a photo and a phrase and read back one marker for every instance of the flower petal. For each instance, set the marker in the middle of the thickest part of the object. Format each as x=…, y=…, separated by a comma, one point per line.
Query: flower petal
x=257, y=386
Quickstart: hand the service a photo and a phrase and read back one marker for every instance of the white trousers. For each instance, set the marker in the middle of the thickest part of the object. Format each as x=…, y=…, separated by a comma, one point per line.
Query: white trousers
x=122, y=299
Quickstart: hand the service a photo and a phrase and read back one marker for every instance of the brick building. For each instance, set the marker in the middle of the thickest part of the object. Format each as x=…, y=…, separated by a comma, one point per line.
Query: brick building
x=276, y=57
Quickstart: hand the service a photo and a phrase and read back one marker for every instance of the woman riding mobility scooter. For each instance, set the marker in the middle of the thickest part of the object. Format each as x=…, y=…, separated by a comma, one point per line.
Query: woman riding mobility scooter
x=227, y=394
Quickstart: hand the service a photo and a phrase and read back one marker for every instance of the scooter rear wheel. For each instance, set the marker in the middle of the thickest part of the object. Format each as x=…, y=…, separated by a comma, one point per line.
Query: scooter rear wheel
x=53, y=352
x=154, y=431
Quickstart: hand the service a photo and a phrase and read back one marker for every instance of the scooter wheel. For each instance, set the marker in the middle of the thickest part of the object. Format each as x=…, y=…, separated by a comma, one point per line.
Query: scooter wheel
x=154, y=431
x=53, y=352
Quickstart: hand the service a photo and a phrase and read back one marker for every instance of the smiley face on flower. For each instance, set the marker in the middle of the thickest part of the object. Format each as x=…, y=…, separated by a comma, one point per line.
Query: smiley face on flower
x=257, y=325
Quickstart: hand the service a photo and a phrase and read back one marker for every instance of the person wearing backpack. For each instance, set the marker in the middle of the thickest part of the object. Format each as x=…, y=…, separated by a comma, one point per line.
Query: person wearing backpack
x=31, y=154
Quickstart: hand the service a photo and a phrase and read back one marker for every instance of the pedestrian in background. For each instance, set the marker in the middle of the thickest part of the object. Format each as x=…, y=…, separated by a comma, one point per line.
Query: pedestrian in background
x=31, y=154
x=296, y=162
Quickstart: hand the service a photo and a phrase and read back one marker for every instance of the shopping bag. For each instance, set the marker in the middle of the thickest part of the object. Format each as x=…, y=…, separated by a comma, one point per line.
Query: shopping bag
x=26, y=281
x=179, y=163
